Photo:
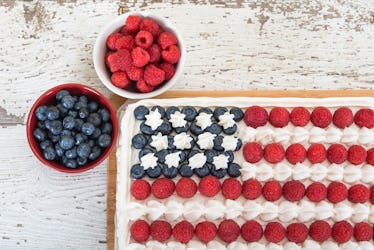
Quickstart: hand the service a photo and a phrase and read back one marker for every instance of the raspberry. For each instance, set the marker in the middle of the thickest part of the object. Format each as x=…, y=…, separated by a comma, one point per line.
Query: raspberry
x=341, y=231
x=139, y=231
x=162, y=188
x=160, y=230
x=319, y=230
x=336, y=192
x=209, y=186
x=300, y=116
x=135, y=73
x=255, y=116
x=166, y=39
x=119, y=60
x=274, y=153
x=372, y=195
x=356, y=154
x=124, y=42
x=364, y=118
x=132, y=23
x=228, y=231
x=143, y=87
x=316, y=153
x=343, y=117
x=155, y=53
x=183, y=231
x=150, y=26
x=140, y=189
x=205, y=231
x=153, y=76
x=293, y=190
x=171, y=54
x=337, y=153
x=110, y=52
x=272, y=190
x=251, y=231
x=297, y=232
x=112, y=39
x=363, y=231
x=251, y=189
x=124, y=31
x=120, y=80
x=252, y=152
x=231, y=188
x=316, y=192
x=274, y=232
x=295, y=153
x=321, y=117
x=186, y=188
x=358, y=193
x=169, y=70
x=143, y=39
x=370, y=156
x=279, y=117
x=140, y=57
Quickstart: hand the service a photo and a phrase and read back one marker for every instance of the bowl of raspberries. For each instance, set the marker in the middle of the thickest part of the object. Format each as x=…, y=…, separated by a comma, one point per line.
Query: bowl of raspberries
x=71, y=128
x=139, y=55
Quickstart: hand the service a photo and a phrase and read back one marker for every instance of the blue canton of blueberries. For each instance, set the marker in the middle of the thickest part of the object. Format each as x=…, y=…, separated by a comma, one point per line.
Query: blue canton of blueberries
x=74, y=131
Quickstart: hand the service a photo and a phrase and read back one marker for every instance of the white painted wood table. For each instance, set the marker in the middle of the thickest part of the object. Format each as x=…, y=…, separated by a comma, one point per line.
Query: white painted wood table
x=299, y=44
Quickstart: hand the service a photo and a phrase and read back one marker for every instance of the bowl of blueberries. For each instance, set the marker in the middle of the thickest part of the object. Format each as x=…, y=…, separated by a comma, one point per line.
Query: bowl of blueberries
x=71, y=128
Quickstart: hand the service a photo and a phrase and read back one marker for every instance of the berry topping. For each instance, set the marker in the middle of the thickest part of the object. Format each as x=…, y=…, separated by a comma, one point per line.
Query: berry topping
x=356, y=154
x=169, y=70
x=293, y=190
x=228, y=231
x=206, y=231
x=251, y=231
x=316, y=153
x=321, y=117
x=343, y=117
x=140, y=57
x=140, y=189
x=272, y=190
x=336, y=192
x=171, y=54
x=143, y=87
x=140, y=231
x=186, y=188
x=255, y=116
x=132, y=23
x=251, y=189
x=183, y=231
x=319, y=230
x=137, y=171
x=274, y=232
x=299, y=116
x=370, y=156
x=363, y=231
x=119, y=60
x=135, y=73
x=112, y=39
x=336, y=153
x=279, y=117
x=341, y=231
x=125, y=42
x=153, y=76
x=162, y=188
x=166, y=39
x=295, y=153
x=297, y=232
x=143, y=39
x=252, y=152
x=154, y=53
x=316, y=192
x=358, y=193
x=160, y=230
x=150, y=25
x=231, y=188
x=209, y=186
x=234, y=170
x=274, y=153
x=364, y=118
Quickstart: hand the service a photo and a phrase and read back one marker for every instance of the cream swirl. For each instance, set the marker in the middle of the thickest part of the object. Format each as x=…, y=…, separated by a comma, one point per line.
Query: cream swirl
x=229, y=143
x=204, y=120
x=281, y=135
x=197, y=161
x=153, y=119
x=172, y=159
x=226, y=120
x=300, y=135
x=159, y=141
x=182, y=141
x=221, y=161
x=148, y=161
x=177, y=119
x=205, y=140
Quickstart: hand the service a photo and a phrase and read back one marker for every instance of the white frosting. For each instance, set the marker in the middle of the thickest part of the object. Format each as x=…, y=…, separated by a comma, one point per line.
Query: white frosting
x=197, y=161
x=172, y=159
x=177, y=119
x=220, y=161
x=182, y=141
x=204, y=120
x=153, y=119
x=148, y=161
x=226, y=120
x=205, y=140
x=247, y=134
x=159, y=141
x=229, y=143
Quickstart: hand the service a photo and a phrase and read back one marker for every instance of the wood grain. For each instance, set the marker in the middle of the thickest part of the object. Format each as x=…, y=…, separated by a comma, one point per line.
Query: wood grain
x=118, y=101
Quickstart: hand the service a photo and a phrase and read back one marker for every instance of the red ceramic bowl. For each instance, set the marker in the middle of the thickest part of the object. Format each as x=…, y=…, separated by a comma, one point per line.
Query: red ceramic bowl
x=48, y=98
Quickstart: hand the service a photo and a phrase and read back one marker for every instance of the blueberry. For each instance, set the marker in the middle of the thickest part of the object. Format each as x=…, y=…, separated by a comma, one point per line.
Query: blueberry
x=83, y=113
x=171, y=110
x=238, y=113
x=206, y=110
x=196, y=130
x=93, y=106
x=73, y=113
x=78, y=124
x=139, y=141
x=104, y=114
x=95, y=119
x=59, y=151
x=91, y=143
x=182, y=156
x=83, y=150
x=169, y=172
x=61, y=94
x=107, y=128
x=218, y=140
x=214, y=128
x=41, y=113
x=154, y=172
x=44, y=144
x=41, y=125
x=230, y=154
x=63, y=111
x=171, y=145
x=219, y=173
x=71, y=163
x=80, y=138
x=66, y=132
x=165, y=128
x=104, y=140
x=145, y=129
x=202, y=172
x=140, y=112
x=83, y=99
x=47, y=124
x=193, y=152
x=87, y=128
x=68, y=101
x=49, y=153
x=95, y=153
x=81, y=161
x=55, y=127
x=64, y=159
x=234, y=170
x=218, y=112
x=53, y=138
x=239, y=144
x=71, y=153
x=137, y=171
x=145, y=151
x=52, y=113
x=210, y=153
x=230, y=130
x=160, y=109
x=66, y=142
x=68, y=122
x=179, y=130
x=39, y=134
x=185, y=170
x=190, y=113
x=96, y=133
x=161, y=155
x=78, y=105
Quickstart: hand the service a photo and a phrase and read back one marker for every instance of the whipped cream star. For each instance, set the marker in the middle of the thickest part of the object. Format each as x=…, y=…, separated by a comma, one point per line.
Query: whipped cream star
x=177, y=119
x=159, y=141
x=153, y=119
x=221, y=161
x=226, y=120
x=182, y=141
x=205, y=140
x=203, y=120
x=148, y=161
x=197, y=161
x=172, y=160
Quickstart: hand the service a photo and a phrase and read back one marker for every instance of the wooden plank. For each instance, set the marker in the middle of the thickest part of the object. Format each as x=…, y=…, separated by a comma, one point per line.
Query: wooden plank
x=118, y=101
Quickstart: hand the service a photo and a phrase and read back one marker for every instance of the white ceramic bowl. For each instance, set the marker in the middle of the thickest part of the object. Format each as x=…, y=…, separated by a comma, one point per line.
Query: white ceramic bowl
x=100, y=50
